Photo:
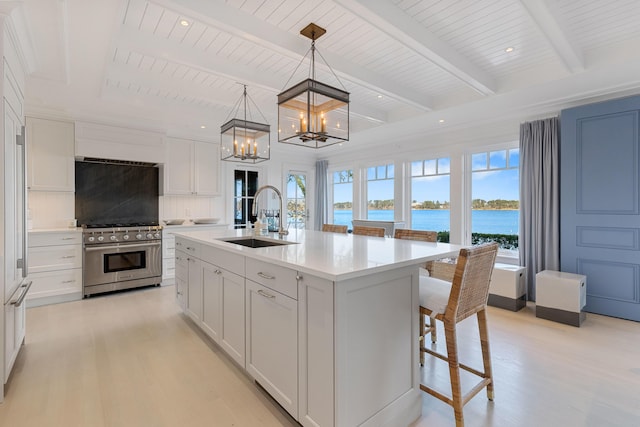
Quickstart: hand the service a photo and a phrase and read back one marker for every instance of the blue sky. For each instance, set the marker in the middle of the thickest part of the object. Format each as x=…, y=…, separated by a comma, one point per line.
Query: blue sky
x=491, y=184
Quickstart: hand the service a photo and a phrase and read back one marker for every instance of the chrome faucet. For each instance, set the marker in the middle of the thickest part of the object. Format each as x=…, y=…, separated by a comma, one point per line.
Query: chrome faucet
x=254, y=210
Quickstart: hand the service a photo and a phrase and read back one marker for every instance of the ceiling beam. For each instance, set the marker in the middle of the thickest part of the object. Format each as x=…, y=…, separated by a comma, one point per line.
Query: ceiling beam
x=240, y=24
x=169, y=50
x=388, y=18
x=557, y=37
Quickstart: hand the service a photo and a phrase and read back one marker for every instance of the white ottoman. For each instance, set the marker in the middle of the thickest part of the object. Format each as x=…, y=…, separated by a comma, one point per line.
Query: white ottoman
x=508, y=287
x=561, y=297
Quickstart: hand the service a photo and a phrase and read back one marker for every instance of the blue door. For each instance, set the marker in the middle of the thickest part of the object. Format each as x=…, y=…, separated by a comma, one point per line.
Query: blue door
x=599, y=203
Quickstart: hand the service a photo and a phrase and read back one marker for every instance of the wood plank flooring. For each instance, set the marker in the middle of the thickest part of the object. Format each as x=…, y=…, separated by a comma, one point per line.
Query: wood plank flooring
x=132, y=359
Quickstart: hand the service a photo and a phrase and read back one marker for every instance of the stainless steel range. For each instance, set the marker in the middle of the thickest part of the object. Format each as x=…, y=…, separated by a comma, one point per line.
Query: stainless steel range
x=121, y=257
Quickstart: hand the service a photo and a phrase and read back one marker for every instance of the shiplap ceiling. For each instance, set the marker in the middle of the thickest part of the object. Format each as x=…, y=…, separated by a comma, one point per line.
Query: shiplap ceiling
x=407, y=63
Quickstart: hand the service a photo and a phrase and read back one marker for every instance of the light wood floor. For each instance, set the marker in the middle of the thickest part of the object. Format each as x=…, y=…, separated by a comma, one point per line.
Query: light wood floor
x=132, y=359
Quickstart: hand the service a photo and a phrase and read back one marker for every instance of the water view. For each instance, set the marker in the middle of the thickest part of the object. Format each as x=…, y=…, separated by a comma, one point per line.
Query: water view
x=483, y=221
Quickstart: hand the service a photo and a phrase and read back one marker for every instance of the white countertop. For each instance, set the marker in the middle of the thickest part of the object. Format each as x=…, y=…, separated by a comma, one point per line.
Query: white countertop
x=332, y=256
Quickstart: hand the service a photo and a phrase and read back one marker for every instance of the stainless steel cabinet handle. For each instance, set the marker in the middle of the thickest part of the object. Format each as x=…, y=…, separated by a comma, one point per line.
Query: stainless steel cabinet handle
x=68, y=238
x=68, y=281
x=218, y=272
x=68, y=256
x=298, y=277
x=265, y=276
x=25, y=288
x=190, y=249
x=266, y=294
x=122, y=246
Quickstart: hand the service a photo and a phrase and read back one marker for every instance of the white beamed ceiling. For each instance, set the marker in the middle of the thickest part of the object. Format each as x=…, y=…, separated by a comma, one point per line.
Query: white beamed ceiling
x=406, y=63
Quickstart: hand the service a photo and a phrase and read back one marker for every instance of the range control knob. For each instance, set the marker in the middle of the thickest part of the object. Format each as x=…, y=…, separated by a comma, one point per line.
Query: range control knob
x=91, y=238
x=157, y=235
x=113, y=238
x=100, y=238
x=138, y=236
x=149, y=236
x=125, y=237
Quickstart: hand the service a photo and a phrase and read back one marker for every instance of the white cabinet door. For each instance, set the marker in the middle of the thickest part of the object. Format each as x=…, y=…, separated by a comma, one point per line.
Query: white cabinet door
x=212, y=300
x=14, y=323
x=191, y=167
x=51, y=155
x=206, y=169
x=182, y=278
x=178, y=173
x=194, y=291
x=272, y=344
x=315, y=351
x=232, y=339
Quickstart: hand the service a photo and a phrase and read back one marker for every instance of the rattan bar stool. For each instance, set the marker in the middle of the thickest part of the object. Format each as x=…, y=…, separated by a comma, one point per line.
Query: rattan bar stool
x=334, y=228
x=368, y=231
x=429, y=327
x=467, y=295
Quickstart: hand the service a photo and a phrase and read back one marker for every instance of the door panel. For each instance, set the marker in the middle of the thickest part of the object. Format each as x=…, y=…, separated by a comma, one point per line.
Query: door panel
x=600, y=214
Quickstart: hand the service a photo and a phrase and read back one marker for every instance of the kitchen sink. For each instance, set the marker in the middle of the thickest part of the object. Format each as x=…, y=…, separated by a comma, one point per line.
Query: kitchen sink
x=252, y=242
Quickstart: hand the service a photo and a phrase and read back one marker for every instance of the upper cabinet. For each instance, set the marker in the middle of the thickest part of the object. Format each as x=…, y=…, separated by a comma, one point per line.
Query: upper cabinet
x=191, y=167
x=50, y=155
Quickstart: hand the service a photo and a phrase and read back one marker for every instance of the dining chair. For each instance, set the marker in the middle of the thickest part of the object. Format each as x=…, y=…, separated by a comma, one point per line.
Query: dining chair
x=421, y=235
x=334, y=228
x=368, y=231
x=429, y=327
x=453, y=302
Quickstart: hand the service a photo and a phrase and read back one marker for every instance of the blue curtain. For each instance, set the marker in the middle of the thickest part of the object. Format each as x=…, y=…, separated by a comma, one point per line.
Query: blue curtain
x=322, y=209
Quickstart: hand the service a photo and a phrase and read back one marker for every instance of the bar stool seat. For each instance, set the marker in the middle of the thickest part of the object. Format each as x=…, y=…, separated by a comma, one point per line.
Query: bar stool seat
x=434, y=293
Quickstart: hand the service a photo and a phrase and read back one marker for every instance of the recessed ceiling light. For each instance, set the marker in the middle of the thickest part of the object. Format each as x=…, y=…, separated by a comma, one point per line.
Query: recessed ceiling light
x=203, y=127
x=184, y=23
x=441, y=121
x=379, y=96
x=510, y=49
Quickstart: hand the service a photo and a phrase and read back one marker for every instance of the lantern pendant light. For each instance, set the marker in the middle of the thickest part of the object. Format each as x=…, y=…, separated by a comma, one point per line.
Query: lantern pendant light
x=311, y=113
x=243, y=140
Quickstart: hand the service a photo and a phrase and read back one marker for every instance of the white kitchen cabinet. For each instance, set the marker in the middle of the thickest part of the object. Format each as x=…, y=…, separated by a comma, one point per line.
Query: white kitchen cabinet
x=232, y=339
x=212, y=283
x=13, y=286
x=272, y=343
x=194, y=289
x=191, y=167
x=182, y=277
x=51, y=158
x=55, y=267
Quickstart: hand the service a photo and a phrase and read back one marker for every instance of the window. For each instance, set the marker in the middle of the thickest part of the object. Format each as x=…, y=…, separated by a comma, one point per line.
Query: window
x=495, y=204
x=245, y=184
x=430, y=189
x=380, y=196
x=296, y=200
x=343, y=197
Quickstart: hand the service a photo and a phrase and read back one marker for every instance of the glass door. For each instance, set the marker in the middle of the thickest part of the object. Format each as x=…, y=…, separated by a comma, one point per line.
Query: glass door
x=245, y=184
x=297, y=212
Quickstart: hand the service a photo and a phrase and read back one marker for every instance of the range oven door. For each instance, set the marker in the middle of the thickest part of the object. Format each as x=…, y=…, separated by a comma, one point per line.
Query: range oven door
x=121, y=262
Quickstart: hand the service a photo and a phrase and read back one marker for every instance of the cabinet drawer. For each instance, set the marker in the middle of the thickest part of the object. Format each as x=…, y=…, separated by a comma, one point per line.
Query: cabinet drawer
x=55, y=283
x=278, y=278
x=55, y=238
x=51, y=258
x=181, y=266
x=229, y=261
x=189, y=247
x=168, y=268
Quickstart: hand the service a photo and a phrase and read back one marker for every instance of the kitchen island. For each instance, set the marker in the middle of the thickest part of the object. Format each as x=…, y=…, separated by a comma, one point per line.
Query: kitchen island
x=326, y=323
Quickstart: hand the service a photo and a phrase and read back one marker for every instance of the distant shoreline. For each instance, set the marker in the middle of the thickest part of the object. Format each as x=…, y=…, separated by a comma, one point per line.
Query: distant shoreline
x=419, y=209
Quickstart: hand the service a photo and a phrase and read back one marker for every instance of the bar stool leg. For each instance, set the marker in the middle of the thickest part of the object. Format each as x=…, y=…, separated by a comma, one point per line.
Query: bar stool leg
x=454, y=372
x=486, y=353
